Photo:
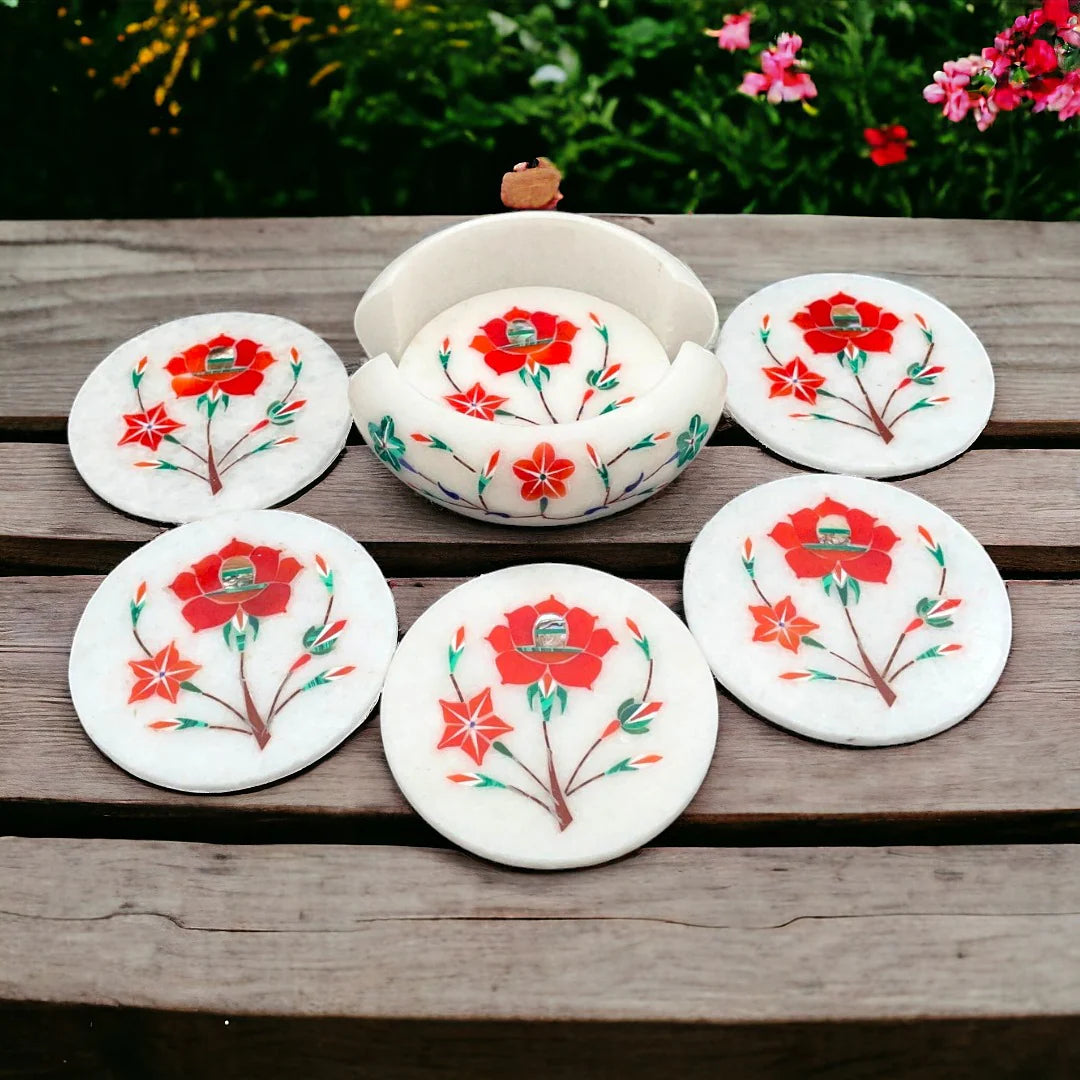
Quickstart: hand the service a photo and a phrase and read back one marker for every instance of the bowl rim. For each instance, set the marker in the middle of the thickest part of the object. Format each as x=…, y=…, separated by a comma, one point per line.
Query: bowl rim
x=674, y=267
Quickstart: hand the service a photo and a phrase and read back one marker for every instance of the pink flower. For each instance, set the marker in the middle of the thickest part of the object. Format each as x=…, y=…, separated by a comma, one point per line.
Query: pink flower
x=952, y=90
x=1060, y=14
x=1065, y=100
x=781, y=77
x=735, y=33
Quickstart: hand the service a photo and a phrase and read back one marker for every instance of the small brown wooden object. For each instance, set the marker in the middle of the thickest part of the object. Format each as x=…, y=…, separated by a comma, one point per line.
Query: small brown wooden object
x=531, y=185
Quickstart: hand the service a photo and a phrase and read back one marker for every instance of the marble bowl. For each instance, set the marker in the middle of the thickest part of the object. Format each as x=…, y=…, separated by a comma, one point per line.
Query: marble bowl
x=538, y=473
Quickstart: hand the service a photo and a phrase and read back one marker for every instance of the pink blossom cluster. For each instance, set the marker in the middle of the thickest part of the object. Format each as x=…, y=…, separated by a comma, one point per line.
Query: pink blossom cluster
x=1036, y=61
x=782, y=77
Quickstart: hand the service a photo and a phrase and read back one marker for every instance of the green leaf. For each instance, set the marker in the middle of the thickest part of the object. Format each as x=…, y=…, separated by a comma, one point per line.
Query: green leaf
x=816, y=675
x=136, y=611
x=502, y=749
x=190, y=686
x=310, y=635
x=812, y=642
x=637, y=727
x=185, y=722
x=619, y=766
x=560, y=694
x=627, y=709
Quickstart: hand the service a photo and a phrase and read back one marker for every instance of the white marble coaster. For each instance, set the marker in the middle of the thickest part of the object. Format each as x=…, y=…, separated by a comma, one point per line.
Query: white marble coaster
x=534, y=355
x=233, y=651
x=228, y=411
x=847, y=610
x=855, y=374
x=549, y=716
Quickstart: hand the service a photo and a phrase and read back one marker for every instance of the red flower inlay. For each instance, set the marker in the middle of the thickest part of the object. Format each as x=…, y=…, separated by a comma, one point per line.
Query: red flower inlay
x=550, y=639
x=830, y=325
x=543, y=476
x=794, y=379
x=888, y=143
x=476, y=401
x=160, y=674
x=781, y=623
x=472, y=725
x=223, y=365
x=148, y=428
x=238, y=577
x=524, y=337
x=818, y=540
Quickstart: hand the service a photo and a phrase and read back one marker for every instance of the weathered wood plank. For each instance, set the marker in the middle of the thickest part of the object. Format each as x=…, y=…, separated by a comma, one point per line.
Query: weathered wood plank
x=733, y=936
x=48, y=517
x=1012, y=768
x=71, y=291
x=42, y=1042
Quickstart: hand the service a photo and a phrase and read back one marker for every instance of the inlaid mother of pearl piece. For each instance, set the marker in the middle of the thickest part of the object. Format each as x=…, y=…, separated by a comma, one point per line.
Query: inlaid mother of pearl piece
x=847, y=610
x=537, y=368
x=855, y=374
x=549, y=716
x=233, y=651
x=207, y=414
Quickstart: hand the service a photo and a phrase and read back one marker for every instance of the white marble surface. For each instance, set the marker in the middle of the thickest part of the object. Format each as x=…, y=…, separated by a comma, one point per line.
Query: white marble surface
x=562, y=630
x=288, y=574
x=620, y=451
x=795, y=389
x=224, y=399
x=551, y=355
x=918, y=645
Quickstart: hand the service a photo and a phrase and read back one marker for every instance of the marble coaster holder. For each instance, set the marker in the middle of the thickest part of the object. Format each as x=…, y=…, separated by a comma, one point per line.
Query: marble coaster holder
x=475, y=473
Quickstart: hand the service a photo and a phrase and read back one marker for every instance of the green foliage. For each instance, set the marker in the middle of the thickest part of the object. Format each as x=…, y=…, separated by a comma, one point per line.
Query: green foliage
x=410, y=107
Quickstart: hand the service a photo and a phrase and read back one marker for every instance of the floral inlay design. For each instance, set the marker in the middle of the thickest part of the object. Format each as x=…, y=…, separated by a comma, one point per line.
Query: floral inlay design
x=852, y=330
x=233, y=589
x=529, y=344
x=212, y=373
x=846, y=548
x=552, y=651
x=546, y=475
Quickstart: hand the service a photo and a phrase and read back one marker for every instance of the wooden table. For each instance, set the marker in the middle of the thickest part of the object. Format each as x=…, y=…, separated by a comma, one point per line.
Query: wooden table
x=913, y=911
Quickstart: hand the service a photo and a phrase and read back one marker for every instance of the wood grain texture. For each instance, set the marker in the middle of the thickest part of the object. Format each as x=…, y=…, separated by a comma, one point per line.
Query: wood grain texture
x=730, y=936
x=1023, y=505
x=1017, y=756
x=72, y=291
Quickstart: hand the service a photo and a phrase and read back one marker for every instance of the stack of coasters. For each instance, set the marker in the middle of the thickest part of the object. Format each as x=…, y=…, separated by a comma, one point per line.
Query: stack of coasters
x=855, y=374
x=228, y=411
x=233, y=651
x=847, y=610
x=549, y=716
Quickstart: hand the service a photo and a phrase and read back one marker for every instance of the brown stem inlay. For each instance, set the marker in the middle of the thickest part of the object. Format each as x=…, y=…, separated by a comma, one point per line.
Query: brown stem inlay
x=255, y=721
x=562, y=811
x=880, y=685
x=211, y=466
x=875, y=417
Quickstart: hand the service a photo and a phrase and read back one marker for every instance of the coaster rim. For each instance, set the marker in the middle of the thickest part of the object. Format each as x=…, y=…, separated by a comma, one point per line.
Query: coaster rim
x=82, y=628
x=695, y=613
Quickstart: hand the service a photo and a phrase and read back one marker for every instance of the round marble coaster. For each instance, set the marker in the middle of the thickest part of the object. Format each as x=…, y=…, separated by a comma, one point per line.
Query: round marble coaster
x=233, y=651
x=534, y=355
x=549, y=716
x=218, y=412
x=847, y=610
x=855, y=374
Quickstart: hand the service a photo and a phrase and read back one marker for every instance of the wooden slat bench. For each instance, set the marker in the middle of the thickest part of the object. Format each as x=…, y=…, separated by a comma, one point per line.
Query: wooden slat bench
x=318, y=928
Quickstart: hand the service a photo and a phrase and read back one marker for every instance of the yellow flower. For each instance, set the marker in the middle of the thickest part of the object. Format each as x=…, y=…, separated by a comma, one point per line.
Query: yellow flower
x=344, y=12
x=299, y=22
x=325, y=70
x=174, y=108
